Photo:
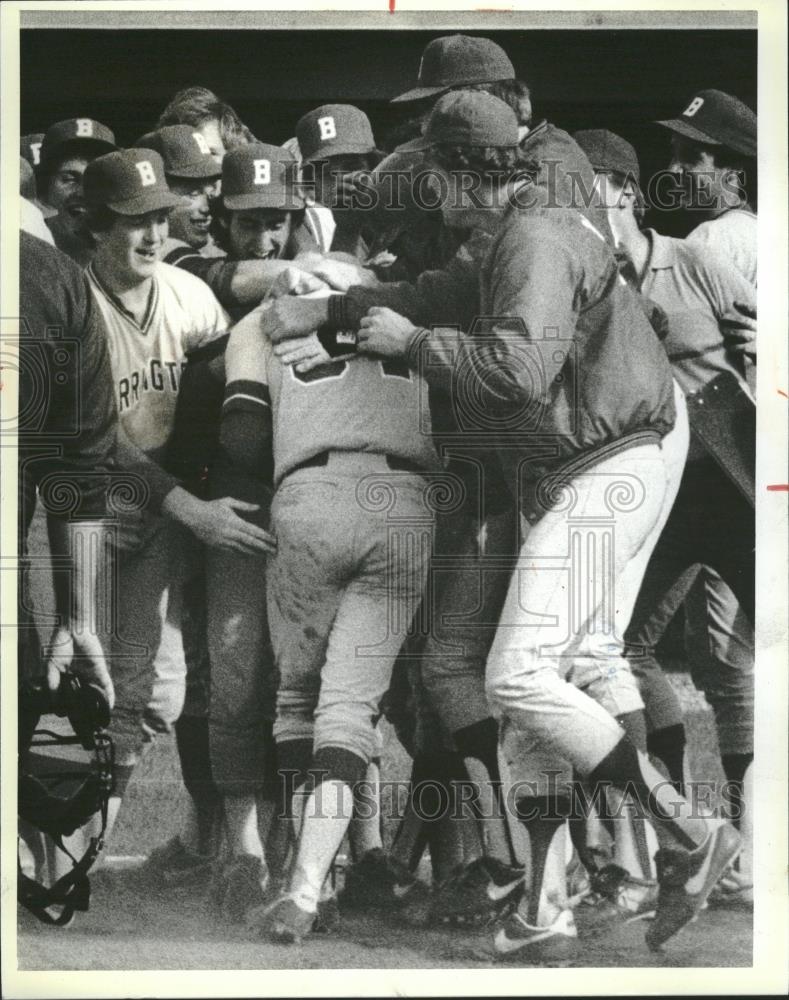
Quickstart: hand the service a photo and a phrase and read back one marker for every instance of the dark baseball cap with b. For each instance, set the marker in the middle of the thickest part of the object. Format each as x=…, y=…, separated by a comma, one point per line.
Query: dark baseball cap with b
x=334, y=130
x=715, y=118
x=468, y=118
x=261, y=176
x=456, y=61
x=130, y=182
x=30, y=147
x=84, y=134
x=609, y=153
x=184, y=151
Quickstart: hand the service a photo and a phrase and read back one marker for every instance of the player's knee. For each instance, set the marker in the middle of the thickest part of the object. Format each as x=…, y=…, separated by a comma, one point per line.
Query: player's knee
x=333, y=763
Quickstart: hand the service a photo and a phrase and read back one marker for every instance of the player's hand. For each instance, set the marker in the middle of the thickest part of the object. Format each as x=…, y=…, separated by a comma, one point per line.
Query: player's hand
x=340, y=274
x=739, y=330
x=290, y=316
x=216, y=523
x=294, y=281
x=303, y=354
x=385, y=333
x=79, y=650
x=132, y=531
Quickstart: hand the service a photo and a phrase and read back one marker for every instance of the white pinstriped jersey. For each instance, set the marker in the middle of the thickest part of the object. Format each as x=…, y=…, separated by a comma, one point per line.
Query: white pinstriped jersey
x=147, y=358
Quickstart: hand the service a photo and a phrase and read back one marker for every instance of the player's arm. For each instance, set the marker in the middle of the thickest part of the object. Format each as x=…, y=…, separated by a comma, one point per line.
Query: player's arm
x=733, y=300
x=449, y=296
x=87, y=462
x=534, y=289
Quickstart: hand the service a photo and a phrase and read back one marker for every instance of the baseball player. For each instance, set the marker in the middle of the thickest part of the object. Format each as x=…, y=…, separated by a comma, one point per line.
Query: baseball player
x=193, y=173
x=553, y=271
x=217, y=122
x=347, y=577
x=449, y=296
x=153, y=314
x=67, y=148
x=713, y=146
x=714, y=151
x=65, y=398
x=716, y=135
x=336, y=141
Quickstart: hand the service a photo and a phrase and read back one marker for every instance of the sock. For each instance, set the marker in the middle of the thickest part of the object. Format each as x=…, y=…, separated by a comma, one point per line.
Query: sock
x=437, y=778
x=191, y=738
x=326, y=813
x=735, y=765
x=544, y=818
x=635, y=727
x=293, y=760
x=480, y=742
x=626, y=769
x=668, y=745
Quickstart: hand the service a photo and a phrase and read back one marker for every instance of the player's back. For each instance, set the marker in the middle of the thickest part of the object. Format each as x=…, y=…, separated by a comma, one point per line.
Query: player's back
x=360, y=404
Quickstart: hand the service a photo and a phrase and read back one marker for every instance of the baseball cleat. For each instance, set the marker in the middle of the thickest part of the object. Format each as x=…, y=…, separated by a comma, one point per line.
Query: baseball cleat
x=686, y=879
x=175, y=864
x=478, y=893
x=237, y=886
x=535, y=944
x=327, y=919
x=616, y=895
x=377, y=882
x=287, y=923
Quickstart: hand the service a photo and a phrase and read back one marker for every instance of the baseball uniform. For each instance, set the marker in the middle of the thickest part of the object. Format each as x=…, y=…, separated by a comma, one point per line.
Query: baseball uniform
x=351, y=448
x=147, y=361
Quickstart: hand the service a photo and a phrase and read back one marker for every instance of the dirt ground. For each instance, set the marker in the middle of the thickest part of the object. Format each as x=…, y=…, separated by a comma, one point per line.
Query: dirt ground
x=132, y=925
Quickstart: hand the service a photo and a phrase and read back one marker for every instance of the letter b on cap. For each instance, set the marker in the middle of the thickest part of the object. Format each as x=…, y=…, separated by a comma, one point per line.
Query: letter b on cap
x=146, y=172
x=693, y=107
x=262, y=171
x=202, y=145
x=84, y=128
x=327, y=127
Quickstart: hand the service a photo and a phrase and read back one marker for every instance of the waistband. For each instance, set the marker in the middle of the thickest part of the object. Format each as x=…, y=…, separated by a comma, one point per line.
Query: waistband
x=355, y=461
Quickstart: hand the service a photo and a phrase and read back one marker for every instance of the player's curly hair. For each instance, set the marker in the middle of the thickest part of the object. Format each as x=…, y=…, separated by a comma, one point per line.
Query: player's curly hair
x=196, y=105
x=514, y=93
x=503, y=163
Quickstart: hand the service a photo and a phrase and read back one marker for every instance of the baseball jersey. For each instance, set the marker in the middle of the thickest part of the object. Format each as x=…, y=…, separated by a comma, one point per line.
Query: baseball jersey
x=359, y=404
x=148, y=358
x=734, y=235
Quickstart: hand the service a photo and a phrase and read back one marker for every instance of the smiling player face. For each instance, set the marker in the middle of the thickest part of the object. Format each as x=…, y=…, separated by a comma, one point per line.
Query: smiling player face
x=131, y=248
x=191, y=221
x=259, y=234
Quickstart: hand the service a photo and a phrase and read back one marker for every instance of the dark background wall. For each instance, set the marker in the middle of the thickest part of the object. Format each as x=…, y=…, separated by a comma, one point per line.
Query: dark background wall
x=618, y=79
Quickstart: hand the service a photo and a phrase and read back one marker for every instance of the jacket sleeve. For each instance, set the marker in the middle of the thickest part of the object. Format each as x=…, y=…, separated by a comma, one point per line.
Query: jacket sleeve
x=448, y=296
x=535, y=294
x=87, y=456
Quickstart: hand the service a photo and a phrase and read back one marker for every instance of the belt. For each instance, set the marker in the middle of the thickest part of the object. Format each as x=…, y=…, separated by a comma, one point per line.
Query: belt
x=393, y=461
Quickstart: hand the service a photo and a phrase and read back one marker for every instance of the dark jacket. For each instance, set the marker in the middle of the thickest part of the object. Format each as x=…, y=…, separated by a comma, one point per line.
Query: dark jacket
x=562, y=368
x=67, y=414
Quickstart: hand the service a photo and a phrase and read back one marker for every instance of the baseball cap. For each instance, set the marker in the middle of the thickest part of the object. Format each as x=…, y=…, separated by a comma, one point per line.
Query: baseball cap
x=129, y=181
x=332, y=130
x=261, y=176
x=717, y=119
x=30, y=148
x=454, y=60
x=609, y=152
x=468, y=118
x=92, y=137
x=184, y=151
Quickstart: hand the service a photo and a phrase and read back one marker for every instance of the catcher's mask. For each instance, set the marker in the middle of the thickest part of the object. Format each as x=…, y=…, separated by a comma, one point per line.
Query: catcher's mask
x=55, y=815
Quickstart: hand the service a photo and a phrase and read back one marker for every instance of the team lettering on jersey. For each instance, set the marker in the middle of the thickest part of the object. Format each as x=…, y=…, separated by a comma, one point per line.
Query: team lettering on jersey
x=155, y=376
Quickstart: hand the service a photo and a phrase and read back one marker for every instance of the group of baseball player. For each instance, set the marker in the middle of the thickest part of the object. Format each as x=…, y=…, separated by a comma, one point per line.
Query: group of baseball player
x=431, y=431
